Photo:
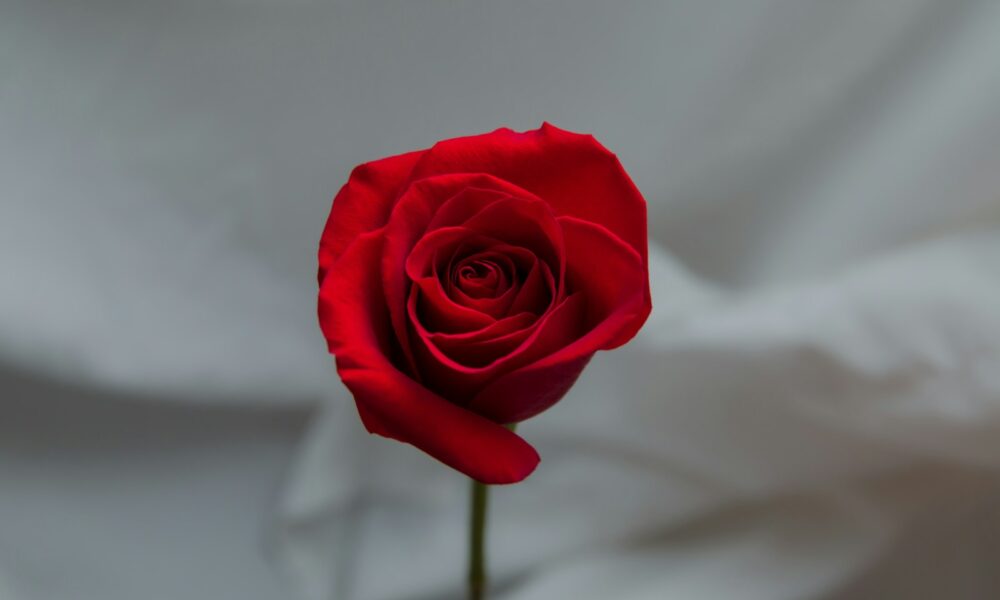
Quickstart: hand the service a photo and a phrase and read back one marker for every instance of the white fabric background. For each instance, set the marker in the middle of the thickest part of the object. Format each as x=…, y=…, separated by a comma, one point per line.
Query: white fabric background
x=812, y=411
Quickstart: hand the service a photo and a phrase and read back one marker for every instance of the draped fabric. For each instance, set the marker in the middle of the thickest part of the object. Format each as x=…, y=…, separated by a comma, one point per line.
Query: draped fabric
x=812, y=410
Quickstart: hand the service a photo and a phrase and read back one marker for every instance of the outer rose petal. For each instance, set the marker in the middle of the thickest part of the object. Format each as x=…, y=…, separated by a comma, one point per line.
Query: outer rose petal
x=618, y=298
x=573, y=173
x=363, y=204
x=353, y=316
x=612, y=278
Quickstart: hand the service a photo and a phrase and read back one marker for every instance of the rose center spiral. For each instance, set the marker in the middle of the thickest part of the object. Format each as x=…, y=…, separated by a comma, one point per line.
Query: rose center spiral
x=480, y=276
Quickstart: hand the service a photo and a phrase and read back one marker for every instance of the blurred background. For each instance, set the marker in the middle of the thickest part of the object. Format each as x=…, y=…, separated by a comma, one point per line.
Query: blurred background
x=812, y=411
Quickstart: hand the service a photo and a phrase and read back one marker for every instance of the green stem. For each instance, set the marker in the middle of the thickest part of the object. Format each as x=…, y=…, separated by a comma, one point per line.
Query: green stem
x=477, y=539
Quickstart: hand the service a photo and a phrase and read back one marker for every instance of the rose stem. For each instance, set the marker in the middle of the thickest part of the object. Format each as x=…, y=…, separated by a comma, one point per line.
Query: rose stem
x=477, y=537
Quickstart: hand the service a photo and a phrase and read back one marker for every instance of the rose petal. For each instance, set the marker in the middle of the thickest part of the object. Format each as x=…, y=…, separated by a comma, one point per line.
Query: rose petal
x=613, y=278
x=460, y=382
x=497, y=308
x=617, y=307
x=353, y=315
x=493, y=300
x=574, y=173
x=446, y=270
x=407, y=223
x=422, y=263
x=538, y=292
x=437, y=312
x=480, y=275
x=465, y=204
x=435, y=245
x=497, y=329
x=484, y=352
x=523, y=222
x=480, y=348
x=363, y=204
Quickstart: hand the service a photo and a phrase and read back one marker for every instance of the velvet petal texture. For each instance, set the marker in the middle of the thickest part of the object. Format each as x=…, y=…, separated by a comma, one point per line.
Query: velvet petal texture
x=363, y=204
x=415, y=208
x=573, y=173
x=616, y=308
x=466, y=286
x=352, y=311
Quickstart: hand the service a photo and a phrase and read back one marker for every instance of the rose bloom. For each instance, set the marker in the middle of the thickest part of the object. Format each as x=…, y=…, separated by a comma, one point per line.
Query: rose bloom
x=465, y=287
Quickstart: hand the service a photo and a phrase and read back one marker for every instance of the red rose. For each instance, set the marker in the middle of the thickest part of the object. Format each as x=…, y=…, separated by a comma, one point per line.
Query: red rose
x=466, y=286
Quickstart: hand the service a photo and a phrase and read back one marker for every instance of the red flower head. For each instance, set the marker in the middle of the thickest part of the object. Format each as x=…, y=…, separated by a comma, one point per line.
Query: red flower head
x=465, y=287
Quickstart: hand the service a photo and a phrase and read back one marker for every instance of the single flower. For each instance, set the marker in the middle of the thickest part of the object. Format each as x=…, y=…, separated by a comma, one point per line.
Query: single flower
x=465, y=287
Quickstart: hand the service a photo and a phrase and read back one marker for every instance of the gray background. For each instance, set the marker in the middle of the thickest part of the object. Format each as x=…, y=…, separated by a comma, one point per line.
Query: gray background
x=819, y=374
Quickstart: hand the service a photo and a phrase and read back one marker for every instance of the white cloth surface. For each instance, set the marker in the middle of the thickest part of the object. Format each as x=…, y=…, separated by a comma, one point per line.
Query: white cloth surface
x=812, y=411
